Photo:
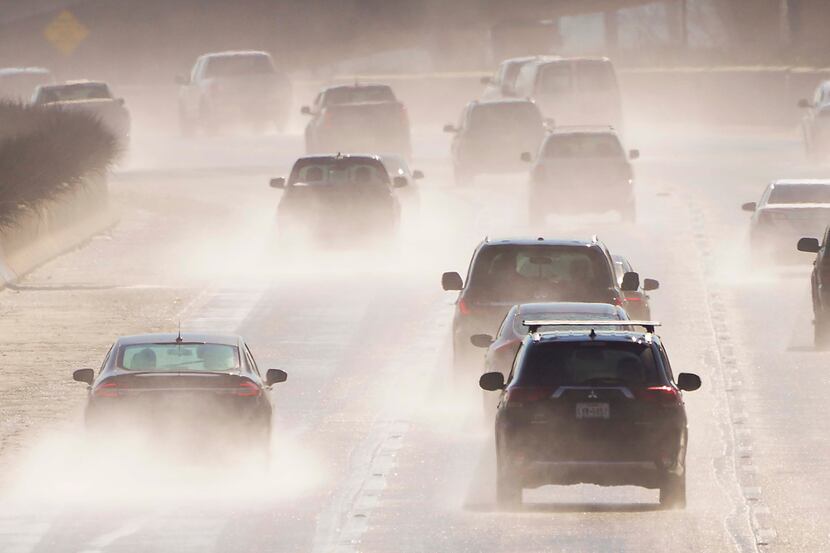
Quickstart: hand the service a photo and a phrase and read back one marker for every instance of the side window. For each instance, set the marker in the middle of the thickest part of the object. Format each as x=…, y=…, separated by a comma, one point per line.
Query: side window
x=106, y=359
x=665, y=359
x=818, y=97
x=506, y=323
x=250, y=357
x=199, y=70
x=524, y=80
x=319, y=100
x=517, y=362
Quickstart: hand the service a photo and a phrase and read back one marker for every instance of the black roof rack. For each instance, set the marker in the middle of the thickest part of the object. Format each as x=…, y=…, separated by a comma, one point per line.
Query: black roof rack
x=534, y=325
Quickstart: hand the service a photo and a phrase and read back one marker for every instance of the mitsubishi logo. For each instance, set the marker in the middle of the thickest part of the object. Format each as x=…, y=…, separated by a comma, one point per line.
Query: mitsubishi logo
x=592, y=395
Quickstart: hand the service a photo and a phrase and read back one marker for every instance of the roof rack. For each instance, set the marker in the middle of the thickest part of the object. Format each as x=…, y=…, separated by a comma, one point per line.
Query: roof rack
x=533, y=325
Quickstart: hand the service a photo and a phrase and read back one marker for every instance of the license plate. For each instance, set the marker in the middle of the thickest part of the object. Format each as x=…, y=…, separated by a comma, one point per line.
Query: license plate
x=593, y=411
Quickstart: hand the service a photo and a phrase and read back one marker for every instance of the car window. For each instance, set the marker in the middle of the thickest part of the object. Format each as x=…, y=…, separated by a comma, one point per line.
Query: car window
x=595, y=75
x=324, y=172
x=179, y=357
x=505, y=117
x=81, y=91
x=514, y=272
x=395, y=165
x=505, y=328
x=251, y=361
x=555, y=78
x=666, y=364
x=520, y=329
x=358, y=94
x=589, y=363
x=237, y=65
x=799, y=194
x=582, y=145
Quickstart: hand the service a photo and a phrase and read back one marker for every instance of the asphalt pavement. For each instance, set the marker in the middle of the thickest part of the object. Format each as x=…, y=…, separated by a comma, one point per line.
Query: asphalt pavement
x=376, y=449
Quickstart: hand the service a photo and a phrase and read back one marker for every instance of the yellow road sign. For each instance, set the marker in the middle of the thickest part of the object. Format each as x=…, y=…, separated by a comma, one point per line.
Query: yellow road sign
x=65, y=32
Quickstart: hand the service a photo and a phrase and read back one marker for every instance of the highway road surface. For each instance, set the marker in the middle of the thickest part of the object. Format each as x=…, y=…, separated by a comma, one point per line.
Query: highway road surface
x=375, y=448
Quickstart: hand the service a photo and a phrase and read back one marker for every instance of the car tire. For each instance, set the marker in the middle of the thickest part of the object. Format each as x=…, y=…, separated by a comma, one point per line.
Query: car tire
x=508, y=485
x=673, y=492
x=462, y=176
x=186, y=127
x=821, y=332
x=629, y=213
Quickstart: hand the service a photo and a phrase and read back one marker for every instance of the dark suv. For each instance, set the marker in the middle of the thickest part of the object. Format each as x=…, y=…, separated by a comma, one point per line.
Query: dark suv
x=591, y=406
x=820, y=284
x=507, y=272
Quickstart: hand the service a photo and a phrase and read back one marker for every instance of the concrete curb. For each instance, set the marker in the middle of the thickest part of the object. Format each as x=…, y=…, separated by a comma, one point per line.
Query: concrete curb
x=43, y=236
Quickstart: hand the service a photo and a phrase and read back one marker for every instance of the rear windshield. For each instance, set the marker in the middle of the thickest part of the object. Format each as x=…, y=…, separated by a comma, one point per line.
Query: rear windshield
x=358, y=94
x=506, y=117
x=582, y=145
x=179, y=357
x=338, y=171
x=556, y=78
x=232, y=66
x=800, y=194
x=589, y=363
x=596, y=75
x=521, y=329
x=552, y=273
x=85, y=91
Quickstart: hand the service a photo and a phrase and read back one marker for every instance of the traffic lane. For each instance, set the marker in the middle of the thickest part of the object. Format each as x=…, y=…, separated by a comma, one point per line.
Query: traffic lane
x=457, y=462
x=777, y=382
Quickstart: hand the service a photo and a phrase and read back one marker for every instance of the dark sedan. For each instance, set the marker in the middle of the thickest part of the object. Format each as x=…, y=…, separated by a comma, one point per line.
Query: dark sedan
x=181, y=389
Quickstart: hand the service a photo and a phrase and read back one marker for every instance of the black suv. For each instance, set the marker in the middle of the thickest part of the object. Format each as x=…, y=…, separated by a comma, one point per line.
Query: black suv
x=507, y=272
x=820, y=284
x=591, y=406
x=581, y=169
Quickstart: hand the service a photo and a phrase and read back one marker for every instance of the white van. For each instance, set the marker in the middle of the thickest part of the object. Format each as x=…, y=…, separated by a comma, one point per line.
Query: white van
x=573, y=91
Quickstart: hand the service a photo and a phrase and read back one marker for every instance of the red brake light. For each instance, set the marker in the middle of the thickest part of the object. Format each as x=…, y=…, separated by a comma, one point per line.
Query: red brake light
x=520, y=396
x=248, y=389
x=107, y=389
x=463, y=308
x=666, y=396
x=633, y=298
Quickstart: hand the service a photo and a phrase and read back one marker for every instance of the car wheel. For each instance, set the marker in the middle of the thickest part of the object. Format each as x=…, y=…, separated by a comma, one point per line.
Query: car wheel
x=463, y=177
x=673, y=492
x=508, y=485
x=629, y=213
x=821, y=332
x=185, y=124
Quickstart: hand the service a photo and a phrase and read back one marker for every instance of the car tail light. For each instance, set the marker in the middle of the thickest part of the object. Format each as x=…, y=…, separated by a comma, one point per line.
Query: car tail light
x=521, y=396
x=248, y=389
x=463, y=308
x=633, y=298
x=617, y=301
x=666, y=396
x=107, y=389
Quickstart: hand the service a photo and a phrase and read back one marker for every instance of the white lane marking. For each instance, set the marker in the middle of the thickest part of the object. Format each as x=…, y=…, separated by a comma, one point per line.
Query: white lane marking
x=341, y=524
x=105, y=540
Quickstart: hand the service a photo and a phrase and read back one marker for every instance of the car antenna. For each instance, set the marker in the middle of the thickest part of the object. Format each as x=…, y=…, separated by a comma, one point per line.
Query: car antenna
x=179, y=336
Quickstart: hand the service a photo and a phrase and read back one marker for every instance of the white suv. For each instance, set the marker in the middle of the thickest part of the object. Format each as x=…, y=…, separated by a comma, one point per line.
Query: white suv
x=233, y=87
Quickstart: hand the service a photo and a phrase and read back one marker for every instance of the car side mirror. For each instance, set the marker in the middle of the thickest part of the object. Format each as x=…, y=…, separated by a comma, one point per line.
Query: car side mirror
x=650, y=284
x=481, y=340
x=804, y=104
x=630, y=282
x=275, y=376
x=526, y=157
x=688, y=382
x=809, y=245
x=399, y=182
x=120, y=101
x=278, y=182
x=416, y=174
x=84, y=375
x=182, y=80
x=452, y=281
x=305, y=110
x=486, y=80
x=634, y=154
x=450, y=128
x=491, y=381
x=750, y=206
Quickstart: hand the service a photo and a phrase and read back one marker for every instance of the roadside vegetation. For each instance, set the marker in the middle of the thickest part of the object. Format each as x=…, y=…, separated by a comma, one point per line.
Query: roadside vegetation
x=46, y=153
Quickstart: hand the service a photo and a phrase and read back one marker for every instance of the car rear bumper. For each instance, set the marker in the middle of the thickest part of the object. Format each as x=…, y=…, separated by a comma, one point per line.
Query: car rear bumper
x=602, y=473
